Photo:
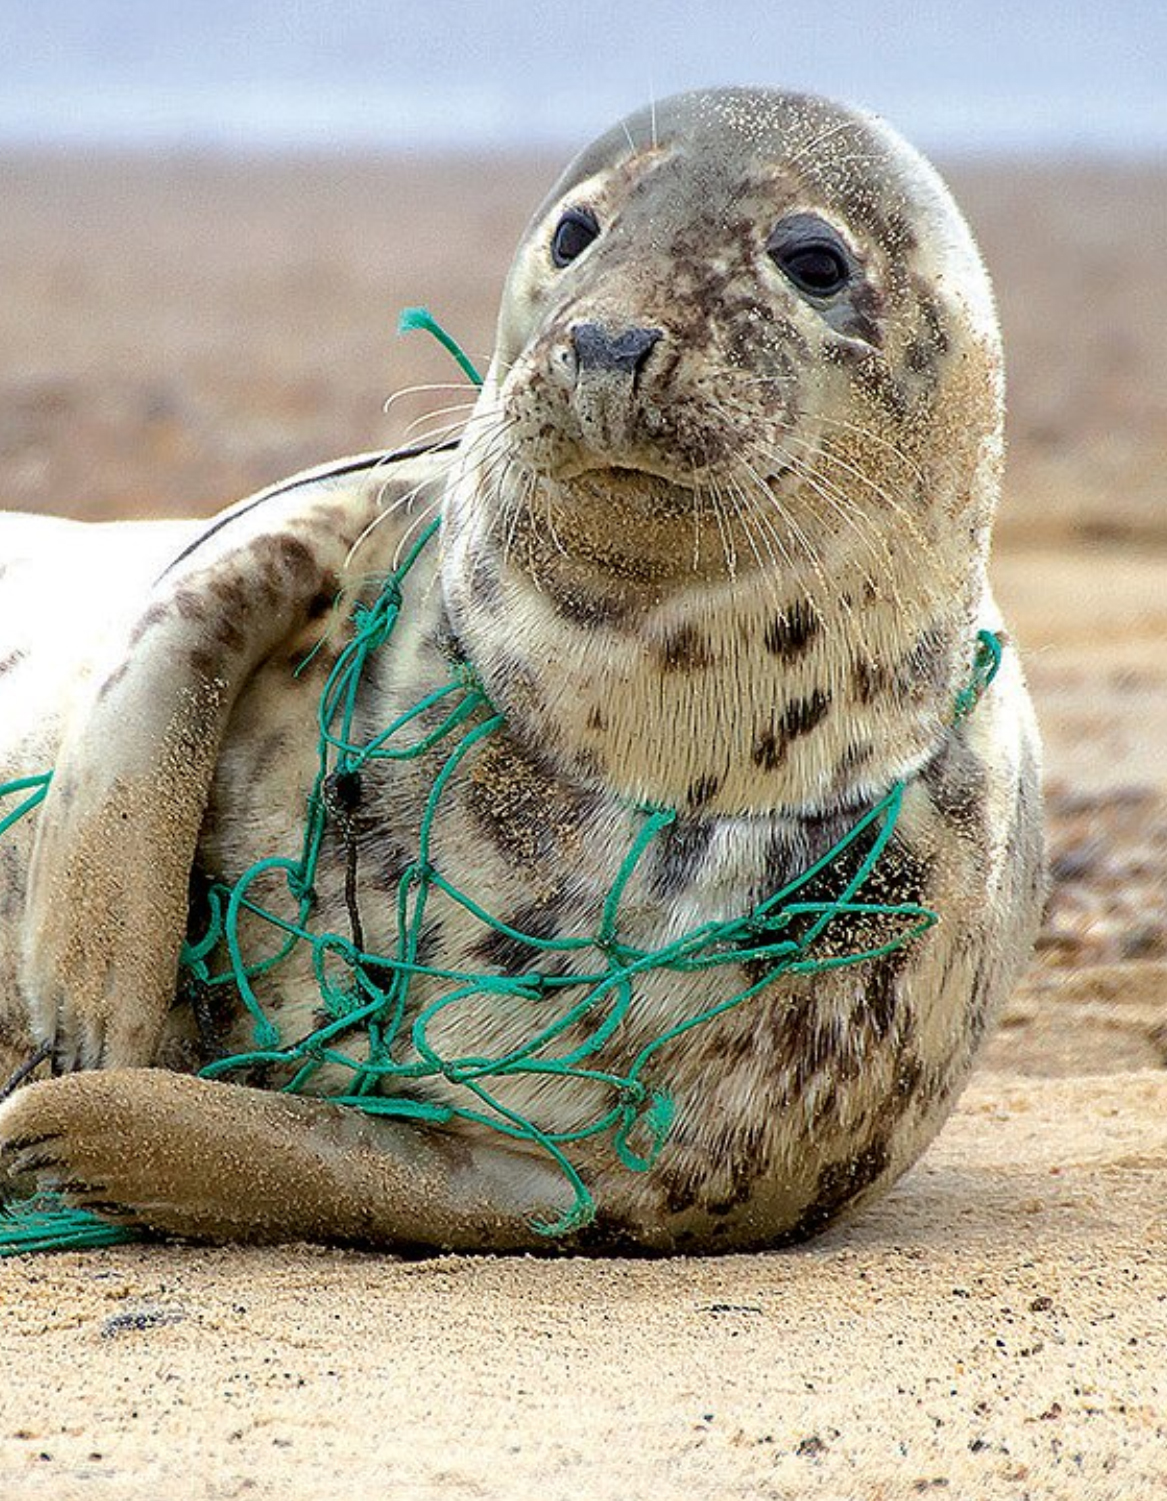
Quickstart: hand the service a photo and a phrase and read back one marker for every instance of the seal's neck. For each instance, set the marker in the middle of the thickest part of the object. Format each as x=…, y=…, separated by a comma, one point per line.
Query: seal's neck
x=765, y=691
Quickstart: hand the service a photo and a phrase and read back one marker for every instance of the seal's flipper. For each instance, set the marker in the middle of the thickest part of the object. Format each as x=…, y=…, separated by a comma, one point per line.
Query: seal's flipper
x=226, y=1163
x=108, y=883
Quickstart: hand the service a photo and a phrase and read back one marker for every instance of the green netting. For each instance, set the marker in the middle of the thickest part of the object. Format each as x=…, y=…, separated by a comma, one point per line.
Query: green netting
x=381, y=1039
x=45, y=1223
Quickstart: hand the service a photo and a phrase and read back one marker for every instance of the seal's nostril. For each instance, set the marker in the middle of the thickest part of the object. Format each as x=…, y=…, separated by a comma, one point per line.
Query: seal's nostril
x=625, y=352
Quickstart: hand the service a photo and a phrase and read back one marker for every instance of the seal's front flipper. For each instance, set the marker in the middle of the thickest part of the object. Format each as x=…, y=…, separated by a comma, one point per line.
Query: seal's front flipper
x=220, y=1162
x=107, y=896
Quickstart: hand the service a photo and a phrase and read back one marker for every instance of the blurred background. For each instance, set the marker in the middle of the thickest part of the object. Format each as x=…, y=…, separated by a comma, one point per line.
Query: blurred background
x=211, y=214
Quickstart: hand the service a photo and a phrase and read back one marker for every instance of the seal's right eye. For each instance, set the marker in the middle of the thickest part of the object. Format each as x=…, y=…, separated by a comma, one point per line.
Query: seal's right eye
x=573, y=234
x=812, y=254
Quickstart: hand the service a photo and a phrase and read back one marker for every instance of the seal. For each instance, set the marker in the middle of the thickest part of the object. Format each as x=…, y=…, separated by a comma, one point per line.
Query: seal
x=714, y=541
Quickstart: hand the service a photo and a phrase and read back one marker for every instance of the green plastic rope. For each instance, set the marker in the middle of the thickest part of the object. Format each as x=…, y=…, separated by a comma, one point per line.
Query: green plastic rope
x=412, y=318
x=368, y=994
x=37, y=787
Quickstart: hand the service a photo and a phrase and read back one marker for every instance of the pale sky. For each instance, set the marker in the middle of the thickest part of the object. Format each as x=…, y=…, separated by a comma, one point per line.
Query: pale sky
x=1036, y=73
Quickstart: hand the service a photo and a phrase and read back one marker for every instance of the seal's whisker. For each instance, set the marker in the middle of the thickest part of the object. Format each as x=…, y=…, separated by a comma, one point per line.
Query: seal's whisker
x=851, y=519
x=729, y=552
x=756, y=490
x=449, y=385
x=807, y=469
x=741, y=460
x=909, y=521
x=869, y=534
x=549, y=508
x=517, y=501
x=841, y=127
x=441, y=431
x=753, y=525
x=424, y=515
x=403, y=502
x=378, y=520
x=767, y=494
x=698, y=500
x=871, y=436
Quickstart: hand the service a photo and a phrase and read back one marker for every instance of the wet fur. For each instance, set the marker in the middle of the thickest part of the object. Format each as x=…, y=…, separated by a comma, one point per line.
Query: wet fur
x=745, y=585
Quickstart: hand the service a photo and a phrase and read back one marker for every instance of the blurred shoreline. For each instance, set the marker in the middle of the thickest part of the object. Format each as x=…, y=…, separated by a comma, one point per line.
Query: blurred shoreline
x=178, y=328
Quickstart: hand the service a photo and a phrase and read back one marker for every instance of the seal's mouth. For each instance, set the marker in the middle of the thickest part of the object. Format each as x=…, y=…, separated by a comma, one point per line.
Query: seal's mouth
x=623, y=477
x=648, y=477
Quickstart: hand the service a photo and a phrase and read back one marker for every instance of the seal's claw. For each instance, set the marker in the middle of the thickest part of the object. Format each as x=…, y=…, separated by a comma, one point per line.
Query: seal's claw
x=49, y=1135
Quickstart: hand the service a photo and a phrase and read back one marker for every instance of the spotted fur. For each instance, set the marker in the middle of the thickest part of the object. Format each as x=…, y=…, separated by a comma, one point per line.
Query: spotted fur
x=742, y=579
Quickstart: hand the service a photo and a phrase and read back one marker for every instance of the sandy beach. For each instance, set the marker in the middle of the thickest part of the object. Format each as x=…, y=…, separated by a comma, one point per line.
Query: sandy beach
x=175, y=332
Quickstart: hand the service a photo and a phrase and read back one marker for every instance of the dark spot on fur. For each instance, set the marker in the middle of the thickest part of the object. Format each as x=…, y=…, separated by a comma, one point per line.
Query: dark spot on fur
x=511, y=956
x=861, y=320
x=13, y=659
x=429, y=941
x=980, y=999
x=204, y=663
x=597, y=720
x=931, y=340
x=768, y=751
x=925, y=668
x=803, y=714
x=189, y=605
x=955, y=781
x=838, y=1184
x=725, y=1181
x=230, y=635
x=230, y=593
x=586, y=607
x=387, y=861
x=702, y=791
x=677, y=855
x=798, y=718
x=881, y=993
x=683, y=650
x=325, y=597
x=155, y=615
x=900, y=877
x=295, y=558
x=520, y=803
x=789, y=634
x=870, y=374
x=872, y=680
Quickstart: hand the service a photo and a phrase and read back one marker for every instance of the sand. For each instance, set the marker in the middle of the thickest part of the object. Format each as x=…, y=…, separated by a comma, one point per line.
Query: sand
x=175, y=332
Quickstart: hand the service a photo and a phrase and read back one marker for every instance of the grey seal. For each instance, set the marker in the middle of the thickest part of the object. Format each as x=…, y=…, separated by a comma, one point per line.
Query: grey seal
x=714, y=540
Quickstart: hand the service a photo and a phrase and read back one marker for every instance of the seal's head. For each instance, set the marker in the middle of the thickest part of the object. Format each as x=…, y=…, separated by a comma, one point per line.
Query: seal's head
x=747, y=372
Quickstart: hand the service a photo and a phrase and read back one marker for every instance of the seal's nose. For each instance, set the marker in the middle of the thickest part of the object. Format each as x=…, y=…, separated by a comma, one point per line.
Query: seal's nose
x=623, y=353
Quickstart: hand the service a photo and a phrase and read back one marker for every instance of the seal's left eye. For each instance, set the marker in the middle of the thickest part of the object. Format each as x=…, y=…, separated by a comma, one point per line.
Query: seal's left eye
x=811, y=254
x=573, y=234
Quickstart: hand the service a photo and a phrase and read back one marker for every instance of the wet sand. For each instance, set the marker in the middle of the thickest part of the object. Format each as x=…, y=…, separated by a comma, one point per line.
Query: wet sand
x=174, y=333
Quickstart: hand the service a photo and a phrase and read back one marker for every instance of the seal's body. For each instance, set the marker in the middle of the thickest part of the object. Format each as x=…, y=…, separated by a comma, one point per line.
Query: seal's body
x=714, y=539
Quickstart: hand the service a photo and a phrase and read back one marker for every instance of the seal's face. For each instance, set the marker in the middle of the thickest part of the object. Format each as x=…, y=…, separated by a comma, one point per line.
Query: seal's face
x=730, y=295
